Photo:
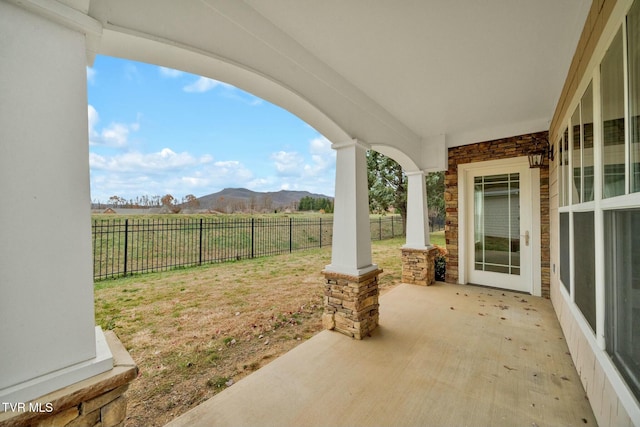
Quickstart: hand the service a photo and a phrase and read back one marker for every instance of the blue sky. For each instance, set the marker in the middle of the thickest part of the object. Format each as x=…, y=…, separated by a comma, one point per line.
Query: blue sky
x=156, y=131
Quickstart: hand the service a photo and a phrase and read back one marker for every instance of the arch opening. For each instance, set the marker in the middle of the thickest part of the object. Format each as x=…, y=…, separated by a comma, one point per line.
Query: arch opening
x=118, y=43
x=155, y=131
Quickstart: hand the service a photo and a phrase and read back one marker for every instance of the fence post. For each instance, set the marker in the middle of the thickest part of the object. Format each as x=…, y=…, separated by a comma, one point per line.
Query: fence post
x=320, y=232
x=253, y=240
x=94, y=248
x=126, y=244
x=393, y=231
x=380, y=228
x=200, y=243
x=290, y=234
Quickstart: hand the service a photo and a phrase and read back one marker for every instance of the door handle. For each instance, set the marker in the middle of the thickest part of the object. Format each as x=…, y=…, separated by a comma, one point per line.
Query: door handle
x=526, y=238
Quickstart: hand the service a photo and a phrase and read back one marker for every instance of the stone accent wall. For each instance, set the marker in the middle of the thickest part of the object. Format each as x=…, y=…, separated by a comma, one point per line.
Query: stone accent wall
x=493, y=150
x=351, y=303
x=96, y=401
x=418, y=266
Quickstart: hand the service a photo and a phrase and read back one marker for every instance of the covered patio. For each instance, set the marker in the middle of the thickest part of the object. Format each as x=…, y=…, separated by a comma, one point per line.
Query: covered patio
x=445, y=355
x=471, y=88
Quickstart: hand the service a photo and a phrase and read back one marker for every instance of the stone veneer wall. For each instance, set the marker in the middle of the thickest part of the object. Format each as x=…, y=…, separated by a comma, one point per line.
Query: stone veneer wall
x=96, y=401
x=351, y=303
x=493, y=150
x=418, y=266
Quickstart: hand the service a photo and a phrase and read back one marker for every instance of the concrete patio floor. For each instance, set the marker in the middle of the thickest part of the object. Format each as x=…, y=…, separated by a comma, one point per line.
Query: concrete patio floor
x=444, y=355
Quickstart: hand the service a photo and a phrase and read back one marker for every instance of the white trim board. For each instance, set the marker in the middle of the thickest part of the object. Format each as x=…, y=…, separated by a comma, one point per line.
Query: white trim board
x=463, y=172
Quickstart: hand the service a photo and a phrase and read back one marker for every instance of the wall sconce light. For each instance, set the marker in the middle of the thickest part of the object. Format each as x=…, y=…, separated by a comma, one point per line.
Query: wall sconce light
x=538, y=154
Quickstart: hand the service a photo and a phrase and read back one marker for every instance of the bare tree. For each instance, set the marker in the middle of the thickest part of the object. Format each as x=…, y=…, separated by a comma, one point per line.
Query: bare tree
x=117, y=201
x=167, y=200
x=192, y=201
x=267, y=203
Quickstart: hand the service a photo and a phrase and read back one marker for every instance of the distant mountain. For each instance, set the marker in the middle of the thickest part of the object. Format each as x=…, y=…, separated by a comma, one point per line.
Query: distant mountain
x=241, y=198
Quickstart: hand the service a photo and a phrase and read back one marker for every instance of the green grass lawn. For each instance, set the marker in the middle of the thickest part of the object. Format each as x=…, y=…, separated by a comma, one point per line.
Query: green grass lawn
x=437, y=238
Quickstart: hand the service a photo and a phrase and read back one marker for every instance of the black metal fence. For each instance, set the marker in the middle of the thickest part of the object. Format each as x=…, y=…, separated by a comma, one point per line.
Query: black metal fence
x=123, y=246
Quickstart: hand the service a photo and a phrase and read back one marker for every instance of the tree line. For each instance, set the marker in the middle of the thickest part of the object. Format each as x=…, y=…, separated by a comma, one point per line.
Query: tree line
x=253, y=204
x=146, y=201
x=308, y=203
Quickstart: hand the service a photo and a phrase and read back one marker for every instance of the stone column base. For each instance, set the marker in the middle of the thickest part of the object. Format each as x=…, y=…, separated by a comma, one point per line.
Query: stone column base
x=351, y=303
x=418, y=266
x=96, y=401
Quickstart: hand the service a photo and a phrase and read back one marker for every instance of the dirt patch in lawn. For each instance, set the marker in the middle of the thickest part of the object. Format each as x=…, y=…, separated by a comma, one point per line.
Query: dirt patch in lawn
x=197, y=331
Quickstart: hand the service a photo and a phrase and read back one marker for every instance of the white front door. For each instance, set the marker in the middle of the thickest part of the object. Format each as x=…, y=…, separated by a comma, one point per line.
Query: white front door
x=499, y=234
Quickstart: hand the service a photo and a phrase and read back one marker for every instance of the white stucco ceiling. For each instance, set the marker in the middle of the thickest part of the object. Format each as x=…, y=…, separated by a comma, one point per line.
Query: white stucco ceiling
x=409, y=75
x=442, y=66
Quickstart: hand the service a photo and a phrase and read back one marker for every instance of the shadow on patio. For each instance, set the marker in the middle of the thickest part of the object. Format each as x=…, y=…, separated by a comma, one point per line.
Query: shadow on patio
x=444, y=355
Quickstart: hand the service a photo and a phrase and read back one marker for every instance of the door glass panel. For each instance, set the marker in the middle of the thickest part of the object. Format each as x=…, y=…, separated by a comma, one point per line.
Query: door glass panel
x=497, y=223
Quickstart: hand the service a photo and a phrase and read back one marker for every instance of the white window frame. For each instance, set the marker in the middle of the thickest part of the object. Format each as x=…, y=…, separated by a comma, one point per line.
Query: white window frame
x=629, y=200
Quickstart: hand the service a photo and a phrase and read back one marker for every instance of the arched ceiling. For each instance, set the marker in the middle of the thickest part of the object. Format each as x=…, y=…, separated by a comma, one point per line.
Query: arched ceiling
x=404, y=76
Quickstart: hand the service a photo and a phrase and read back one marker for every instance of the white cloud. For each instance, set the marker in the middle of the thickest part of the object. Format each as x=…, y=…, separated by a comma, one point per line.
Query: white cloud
x=244, y=97
x=204, y=84
x=216, y=176
x=322, y=160
x=227, y=165
x=91, y=75
x=195, y=181
x=131, y=72
x=288, y=163
x=123, y=186
x=312, y=171
x=230, y=173
x=322, y=146
x=135, y=174
x=166, y=171
x=114, y=135
x=93, y=118
x=159, y=162
x=170, y=72
x=261, y=184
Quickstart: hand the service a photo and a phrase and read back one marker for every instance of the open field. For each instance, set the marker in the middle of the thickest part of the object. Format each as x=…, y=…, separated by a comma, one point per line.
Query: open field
x=193, y=332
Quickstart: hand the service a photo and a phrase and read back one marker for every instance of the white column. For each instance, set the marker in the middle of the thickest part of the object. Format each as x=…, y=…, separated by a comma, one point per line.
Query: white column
x=351, y=248
x=48, y=337
x=417, y=212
